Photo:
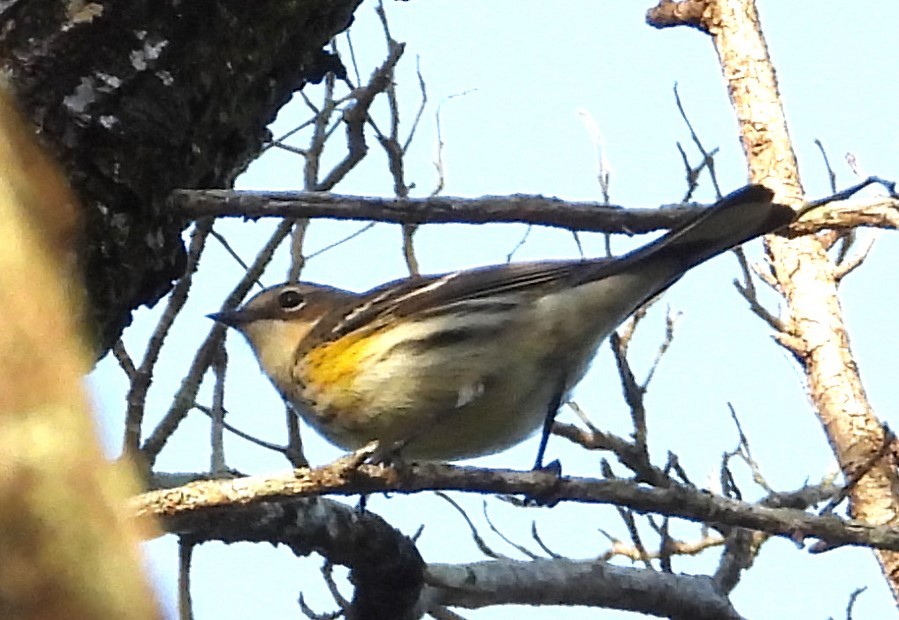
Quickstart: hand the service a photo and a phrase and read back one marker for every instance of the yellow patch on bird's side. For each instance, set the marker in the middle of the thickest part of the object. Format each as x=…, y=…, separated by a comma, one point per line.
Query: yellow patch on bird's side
x=335, y=365
x=329, y=374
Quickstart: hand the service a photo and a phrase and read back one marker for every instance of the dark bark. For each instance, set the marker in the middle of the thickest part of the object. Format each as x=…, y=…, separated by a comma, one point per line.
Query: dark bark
x=385, y=567
x=142, y=97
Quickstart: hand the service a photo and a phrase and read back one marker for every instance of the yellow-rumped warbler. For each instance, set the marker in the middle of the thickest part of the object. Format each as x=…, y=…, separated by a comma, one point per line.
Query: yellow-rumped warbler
x=471, y=362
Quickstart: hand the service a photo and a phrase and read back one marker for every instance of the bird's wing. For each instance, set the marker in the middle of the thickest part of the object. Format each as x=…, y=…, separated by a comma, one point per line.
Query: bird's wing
x=420, y=296
x=741, y=215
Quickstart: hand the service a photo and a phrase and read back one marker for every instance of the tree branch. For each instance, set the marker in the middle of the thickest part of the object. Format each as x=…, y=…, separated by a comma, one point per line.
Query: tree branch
x=123, y=116
x=346, y=477
x=531, y=209
x=519, y=208
x=598, y=584
x=815, y=330
x=385, y=566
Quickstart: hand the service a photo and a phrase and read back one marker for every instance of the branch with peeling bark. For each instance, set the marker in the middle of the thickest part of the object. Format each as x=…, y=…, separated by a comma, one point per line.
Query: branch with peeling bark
x=804, y=273
x=347, y=477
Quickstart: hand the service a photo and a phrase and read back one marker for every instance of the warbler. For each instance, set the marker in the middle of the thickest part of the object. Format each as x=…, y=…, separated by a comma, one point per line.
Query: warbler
x=472, y=362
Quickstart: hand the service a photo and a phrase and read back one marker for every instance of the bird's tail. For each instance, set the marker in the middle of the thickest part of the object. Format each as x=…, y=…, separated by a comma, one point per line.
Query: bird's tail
x=742, y=215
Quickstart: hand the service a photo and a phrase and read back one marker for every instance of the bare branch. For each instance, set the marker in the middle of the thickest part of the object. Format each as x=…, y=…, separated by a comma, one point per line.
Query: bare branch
x=528, y=209
x=519, y=244
x=539, y=540
x=421, y=108
x=347, y=477
x=185, y=554
x=740, y=550
x=294, y=450
x=744, y=451
x=849, y=264
x=852, y=600
x=630, y=455
x=355, y=117
x=184, y=398
x=143, y=375
x=863, y=469
x=630, y=523
x=479, y=541
x=671, y=13
x=209, y=411
x=676, y=547
x=708, y=158
x=831, y=175
x=748, y=291
x=230, y=250
x=124, y=360
x=385, y=566
x=217, y=431
x=546, y=582
x=603, y=168
x=670, y=323
x=520, y=548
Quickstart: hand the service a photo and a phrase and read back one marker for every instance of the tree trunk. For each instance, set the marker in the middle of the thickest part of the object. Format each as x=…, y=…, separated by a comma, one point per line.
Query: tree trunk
x=139, y=98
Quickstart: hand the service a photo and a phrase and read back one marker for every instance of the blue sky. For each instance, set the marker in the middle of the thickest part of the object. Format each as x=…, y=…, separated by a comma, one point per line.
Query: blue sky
x=525, y=69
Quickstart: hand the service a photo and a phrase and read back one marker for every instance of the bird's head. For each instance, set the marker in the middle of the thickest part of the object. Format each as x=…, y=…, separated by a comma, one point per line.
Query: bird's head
x=278, y=319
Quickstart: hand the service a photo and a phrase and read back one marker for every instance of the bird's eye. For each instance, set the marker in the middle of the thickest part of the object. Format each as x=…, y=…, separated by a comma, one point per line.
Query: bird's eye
x=290, y=300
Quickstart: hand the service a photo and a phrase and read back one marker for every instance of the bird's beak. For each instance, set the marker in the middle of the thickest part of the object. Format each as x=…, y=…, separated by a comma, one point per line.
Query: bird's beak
x=231, y=318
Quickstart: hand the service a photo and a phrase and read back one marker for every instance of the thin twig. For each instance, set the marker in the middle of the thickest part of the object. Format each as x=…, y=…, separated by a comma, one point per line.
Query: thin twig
x=124, y=359
x=540, y=543
x=439, y=163
x=217, y=431
x=675, y=547
x=439, y=612
x=520, y=548
x=708, y=158
x=603, y=168
x=847, y=265
x=633, y=393
x=297, y=260
x=666, y=543
x=745, y=452
x=185, y=397
x=852, y=600
x=859, y=472
x=670, y=322
x=847, y=193
x=294, y=450
x=341, y=241
x=243, y=435
x=748, y=291
x=355, y=117
x=229, y=249
x=327, y=571
x=421, y=107
x=479, y=541
x=185, y=555
x=353, y=62
x=519, y=244
x=831, y=175
x=631, y=524
x=143, y=375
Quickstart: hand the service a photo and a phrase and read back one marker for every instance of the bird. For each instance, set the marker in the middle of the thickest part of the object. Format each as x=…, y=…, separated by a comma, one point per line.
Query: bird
x=470, y=363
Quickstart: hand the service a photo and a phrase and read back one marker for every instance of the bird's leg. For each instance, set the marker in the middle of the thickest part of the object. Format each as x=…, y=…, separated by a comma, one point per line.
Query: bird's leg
x=389, y=452
x=554, y=404
x=547, y=498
